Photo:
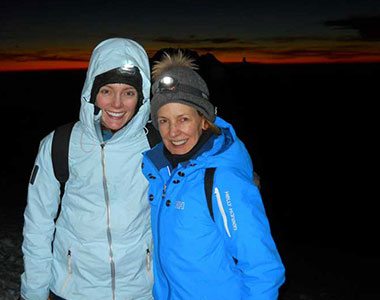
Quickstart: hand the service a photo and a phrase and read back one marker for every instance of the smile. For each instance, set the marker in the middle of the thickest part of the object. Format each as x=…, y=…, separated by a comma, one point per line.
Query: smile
x=115, y=114
x=179, y=143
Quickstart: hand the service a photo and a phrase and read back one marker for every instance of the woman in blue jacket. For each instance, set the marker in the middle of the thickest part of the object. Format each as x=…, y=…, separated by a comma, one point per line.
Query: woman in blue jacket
x=233, y=257
x=102, y=241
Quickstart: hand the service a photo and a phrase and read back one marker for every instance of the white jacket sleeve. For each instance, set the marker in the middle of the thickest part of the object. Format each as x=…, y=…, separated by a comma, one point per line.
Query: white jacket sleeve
x=38, y=231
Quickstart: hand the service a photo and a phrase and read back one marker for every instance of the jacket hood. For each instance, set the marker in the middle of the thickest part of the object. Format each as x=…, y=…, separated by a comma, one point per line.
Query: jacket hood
x=227, y=150
x=110, y=54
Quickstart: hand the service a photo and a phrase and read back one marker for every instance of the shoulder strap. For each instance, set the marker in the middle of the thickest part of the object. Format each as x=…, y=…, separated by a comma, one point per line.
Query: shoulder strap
x=153, y=135
x=60, y=153
x=209, y=182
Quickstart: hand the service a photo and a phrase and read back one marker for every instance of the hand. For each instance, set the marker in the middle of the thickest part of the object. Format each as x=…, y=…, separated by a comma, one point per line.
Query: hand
x=256, y=180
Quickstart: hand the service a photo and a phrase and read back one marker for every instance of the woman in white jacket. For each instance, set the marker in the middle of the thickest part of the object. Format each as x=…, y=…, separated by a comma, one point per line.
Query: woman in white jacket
x=102, y=238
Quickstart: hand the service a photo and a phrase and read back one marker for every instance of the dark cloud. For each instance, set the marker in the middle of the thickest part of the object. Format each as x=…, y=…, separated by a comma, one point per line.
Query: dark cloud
x=20, y=57
x=223, y=49
x=367, y=27
x=293, y=39
x=328, y=54
x=193, y=40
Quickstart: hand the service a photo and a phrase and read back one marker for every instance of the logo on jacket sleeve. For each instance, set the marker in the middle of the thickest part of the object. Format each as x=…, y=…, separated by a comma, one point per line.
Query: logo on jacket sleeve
x=231, y=211
x=180, y=205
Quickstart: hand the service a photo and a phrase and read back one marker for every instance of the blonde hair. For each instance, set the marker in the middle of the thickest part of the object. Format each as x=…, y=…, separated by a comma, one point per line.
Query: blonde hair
x=178, y=59
x=211, y=126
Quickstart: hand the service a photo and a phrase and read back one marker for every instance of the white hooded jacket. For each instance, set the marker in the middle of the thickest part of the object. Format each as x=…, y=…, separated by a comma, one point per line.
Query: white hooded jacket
x=102, y=243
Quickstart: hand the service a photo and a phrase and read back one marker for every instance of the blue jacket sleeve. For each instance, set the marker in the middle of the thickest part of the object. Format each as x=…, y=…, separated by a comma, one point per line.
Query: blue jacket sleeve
x=40, y=211
x=241, y=219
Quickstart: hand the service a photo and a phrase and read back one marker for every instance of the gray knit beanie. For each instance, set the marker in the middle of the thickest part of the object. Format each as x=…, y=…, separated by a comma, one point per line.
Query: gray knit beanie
x=175, y=80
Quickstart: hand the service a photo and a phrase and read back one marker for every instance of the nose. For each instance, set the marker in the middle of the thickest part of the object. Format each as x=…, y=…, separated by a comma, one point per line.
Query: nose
x=173, y=130
x=117, y=100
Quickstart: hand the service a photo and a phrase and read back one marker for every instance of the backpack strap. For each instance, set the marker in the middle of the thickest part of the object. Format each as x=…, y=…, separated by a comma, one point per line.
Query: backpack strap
x=60, y=149
x=60, y=153
x=153, y=135
x=209, y=182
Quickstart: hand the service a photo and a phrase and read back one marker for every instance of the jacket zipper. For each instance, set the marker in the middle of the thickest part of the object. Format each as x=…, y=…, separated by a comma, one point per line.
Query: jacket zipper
x=109, y=235
x=148, y=263
x=148, y=260
x=69, y=271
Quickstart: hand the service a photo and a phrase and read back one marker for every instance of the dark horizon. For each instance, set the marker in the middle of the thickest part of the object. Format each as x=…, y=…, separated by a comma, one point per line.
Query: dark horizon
x=83, y=67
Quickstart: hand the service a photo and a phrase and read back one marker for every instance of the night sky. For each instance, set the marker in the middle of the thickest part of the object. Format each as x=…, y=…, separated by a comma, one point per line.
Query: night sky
x=61, y=34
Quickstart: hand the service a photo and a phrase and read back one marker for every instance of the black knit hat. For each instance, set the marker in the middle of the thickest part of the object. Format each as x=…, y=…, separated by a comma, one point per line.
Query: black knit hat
x=129, y=76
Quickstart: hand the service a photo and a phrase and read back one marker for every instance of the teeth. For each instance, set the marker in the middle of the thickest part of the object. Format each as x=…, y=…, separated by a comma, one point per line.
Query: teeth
x=179, y=143
x=115, y=114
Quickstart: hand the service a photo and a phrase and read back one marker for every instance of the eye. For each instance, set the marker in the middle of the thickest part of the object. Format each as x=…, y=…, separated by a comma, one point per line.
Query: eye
x=183, y=119
x=104, y=91
x=130, y=93
x=161, y=121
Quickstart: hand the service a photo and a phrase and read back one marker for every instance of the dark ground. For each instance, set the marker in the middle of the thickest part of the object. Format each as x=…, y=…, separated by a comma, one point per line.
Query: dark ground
x=311, y=132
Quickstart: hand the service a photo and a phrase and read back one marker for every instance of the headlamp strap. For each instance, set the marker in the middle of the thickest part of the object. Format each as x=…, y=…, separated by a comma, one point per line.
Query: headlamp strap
x=182, y=88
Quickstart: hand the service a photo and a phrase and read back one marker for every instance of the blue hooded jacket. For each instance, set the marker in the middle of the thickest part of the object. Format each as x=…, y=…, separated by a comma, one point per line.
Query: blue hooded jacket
x=232, y=258
x=102, y=243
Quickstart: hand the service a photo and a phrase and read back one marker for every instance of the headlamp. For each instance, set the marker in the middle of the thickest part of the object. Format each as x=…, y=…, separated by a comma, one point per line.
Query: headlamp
x=128, y=69
x=169, y=84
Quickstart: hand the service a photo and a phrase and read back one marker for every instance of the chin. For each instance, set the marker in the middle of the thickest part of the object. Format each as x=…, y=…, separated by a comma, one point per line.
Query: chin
x=117, y=126
x=179, y=150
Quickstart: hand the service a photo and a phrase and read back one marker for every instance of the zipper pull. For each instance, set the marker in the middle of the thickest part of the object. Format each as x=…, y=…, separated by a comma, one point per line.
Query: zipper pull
x=69, y=270
x=148, y=260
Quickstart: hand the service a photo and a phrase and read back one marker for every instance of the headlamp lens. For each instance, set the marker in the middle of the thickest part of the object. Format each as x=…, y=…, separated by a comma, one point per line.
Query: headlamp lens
x=167, y=83
x=128, y=69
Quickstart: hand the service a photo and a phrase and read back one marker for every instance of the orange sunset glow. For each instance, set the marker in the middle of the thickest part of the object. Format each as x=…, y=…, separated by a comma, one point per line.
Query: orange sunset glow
x=224, y=57
x=41, y=65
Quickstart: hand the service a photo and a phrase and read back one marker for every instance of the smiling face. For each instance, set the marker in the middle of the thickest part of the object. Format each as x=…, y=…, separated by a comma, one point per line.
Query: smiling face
x=180, y=127
x=117, y=102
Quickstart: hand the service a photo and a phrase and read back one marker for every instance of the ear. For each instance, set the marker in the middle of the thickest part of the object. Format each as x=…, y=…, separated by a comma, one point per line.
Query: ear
x=205, y=124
